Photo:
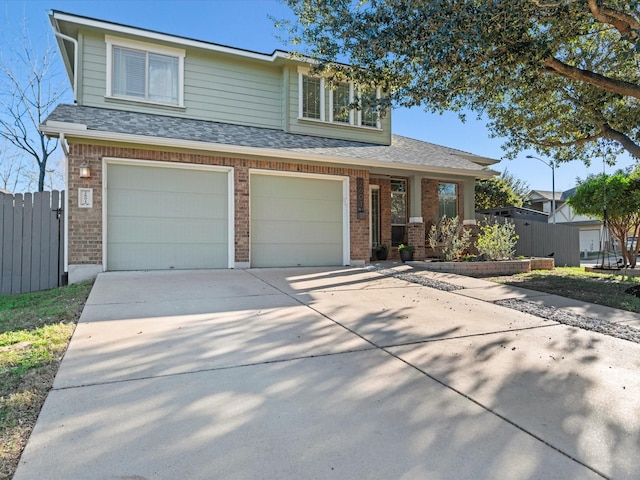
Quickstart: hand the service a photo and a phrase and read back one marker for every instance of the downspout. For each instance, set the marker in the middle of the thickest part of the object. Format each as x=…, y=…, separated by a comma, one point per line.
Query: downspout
x=65, y=149
x=75, y=63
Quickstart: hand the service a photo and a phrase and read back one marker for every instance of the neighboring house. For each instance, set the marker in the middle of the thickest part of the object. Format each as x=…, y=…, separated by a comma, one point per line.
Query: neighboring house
x=541, y=200
x=186, y=154
x=590, y=227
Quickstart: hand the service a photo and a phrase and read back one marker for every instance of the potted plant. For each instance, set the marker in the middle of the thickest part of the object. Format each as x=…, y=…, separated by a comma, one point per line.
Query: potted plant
x=406, y=252
x=382, y=251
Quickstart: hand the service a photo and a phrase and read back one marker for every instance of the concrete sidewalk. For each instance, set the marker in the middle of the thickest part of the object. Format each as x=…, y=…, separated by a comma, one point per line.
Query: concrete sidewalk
x=329, y=373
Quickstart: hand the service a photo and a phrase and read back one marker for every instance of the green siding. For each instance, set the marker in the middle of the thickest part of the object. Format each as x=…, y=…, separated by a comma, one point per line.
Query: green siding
x=218, y=90
x=225, y=89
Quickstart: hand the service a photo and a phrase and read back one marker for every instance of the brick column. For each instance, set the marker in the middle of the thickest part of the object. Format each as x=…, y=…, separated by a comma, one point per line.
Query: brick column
x=416, y=237
x=241, y=181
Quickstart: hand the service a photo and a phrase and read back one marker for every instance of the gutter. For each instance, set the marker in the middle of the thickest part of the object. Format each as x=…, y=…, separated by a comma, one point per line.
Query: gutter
x=80, y=131
x=75, y=61
x=65, y=248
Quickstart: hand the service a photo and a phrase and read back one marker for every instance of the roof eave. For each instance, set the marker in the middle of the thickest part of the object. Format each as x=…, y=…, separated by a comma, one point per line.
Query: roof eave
x=80, y=131
x=58, y=16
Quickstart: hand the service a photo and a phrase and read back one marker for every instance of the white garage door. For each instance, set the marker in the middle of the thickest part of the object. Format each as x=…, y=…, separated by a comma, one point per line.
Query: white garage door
x=296, y=221
x=162, y=218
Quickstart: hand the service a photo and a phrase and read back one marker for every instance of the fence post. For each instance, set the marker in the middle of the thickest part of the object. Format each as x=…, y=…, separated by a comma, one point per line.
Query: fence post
x=27, y=243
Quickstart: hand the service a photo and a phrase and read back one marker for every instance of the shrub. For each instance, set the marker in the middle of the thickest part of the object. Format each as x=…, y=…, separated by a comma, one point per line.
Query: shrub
x=497, y=241
x=450, y=236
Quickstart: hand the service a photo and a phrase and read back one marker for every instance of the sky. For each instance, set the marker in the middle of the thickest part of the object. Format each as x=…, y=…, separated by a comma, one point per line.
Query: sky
x=247, y=24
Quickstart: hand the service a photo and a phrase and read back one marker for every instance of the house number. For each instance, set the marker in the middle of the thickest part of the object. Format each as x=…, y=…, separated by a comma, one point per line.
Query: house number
x=360, y=197
x=85, y=197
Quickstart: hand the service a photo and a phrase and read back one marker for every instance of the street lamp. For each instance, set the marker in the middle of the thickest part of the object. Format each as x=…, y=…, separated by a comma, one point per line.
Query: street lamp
x=551, y=165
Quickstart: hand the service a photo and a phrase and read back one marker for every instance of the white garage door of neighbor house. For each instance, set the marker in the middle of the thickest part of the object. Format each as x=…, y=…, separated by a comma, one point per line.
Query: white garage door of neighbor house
x=163, y=218
x=296, y=221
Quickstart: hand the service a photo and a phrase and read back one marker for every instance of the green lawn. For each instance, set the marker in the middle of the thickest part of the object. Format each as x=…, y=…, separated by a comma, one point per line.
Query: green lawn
x=573, y=282
x=35, y=329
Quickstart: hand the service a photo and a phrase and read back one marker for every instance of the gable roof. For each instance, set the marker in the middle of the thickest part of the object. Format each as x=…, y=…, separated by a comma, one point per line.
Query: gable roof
x=542, y=195
x=143, y=128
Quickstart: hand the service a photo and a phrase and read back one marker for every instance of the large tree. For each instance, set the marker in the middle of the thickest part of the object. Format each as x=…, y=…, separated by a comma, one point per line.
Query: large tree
x=503, y=191
x=617, y=197
x=561, y=77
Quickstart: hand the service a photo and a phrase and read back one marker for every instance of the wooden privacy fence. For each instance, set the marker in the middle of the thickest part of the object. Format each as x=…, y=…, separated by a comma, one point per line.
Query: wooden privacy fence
x=540, y=239
x=31, y=242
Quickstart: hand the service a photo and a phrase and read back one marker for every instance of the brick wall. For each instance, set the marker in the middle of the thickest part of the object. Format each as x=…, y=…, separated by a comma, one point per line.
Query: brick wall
x=85, y=225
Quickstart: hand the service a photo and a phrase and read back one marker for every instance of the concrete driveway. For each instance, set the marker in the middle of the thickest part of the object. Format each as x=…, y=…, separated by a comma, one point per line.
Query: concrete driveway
x=329, y=373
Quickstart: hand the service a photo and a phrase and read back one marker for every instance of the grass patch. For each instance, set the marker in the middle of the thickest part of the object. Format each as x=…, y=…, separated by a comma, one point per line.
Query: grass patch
x=573, y=282
x=35, y=329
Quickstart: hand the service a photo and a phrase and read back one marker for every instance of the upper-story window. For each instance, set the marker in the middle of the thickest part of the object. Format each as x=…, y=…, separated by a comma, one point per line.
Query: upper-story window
x=312, y=97
x=143, y=72
x=341, y=98
x=369, y=112
x=333, y=104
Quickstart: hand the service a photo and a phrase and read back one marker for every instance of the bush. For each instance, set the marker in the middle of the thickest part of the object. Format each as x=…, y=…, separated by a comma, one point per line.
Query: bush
x=450, y=236
x=497, y=241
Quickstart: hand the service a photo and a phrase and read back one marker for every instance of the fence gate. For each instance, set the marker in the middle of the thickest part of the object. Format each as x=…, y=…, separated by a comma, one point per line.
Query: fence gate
x=31, y=242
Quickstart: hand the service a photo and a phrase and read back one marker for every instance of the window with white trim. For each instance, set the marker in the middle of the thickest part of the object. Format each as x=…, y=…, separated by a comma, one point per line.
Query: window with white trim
x=146, y=73
x=369, y=108
x=448, y=200
x=316, y=99
x=312, y=97
x=341, y=99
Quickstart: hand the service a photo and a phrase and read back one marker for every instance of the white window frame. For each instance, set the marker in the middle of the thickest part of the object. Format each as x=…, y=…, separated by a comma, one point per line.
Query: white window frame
x=355, y=117
x=351, y=115
x=148, y=48
x=360, y=110
x=301, y=75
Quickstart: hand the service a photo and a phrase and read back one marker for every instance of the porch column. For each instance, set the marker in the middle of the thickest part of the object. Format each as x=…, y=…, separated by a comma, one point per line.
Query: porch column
x=415, y=201
x=416, y=230
x=469, y=203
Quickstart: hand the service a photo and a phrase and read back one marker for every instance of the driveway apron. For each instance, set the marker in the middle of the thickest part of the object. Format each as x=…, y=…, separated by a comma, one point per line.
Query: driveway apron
x=329, y=373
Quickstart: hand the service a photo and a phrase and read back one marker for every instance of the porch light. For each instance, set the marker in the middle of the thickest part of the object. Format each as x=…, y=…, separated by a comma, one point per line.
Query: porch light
x=85, y=171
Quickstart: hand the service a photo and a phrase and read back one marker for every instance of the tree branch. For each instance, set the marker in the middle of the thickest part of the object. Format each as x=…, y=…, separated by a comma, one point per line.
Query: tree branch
x=632, y=147
x=624, y=23
x=612, y=85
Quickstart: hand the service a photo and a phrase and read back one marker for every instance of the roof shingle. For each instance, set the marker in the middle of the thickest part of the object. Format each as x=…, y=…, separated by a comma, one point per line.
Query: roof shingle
x=402, y=151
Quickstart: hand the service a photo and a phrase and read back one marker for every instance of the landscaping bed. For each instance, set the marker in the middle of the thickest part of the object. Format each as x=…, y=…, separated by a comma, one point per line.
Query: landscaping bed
x=490, y=268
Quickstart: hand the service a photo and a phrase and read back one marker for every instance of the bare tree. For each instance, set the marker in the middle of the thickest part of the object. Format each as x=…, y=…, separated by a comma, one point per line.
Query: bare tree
x=29, y=90
x=11, y=167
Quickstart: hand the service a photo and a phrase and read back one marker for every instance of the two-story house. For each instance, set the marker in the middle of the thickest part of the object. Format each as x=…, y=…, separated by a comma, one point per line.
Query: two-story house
x=187, y=154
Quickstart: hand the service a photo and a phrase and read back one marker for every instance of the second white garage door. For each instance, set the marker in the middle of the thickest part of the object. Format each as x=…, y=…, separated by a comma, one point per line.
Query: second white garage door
x=164, y=217
x=296, y=221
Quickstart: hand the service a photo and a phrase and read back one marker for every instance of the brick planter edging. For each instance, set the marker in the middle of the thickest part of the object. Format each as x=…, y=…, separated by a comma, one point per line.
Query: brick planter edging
x=489, y=269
